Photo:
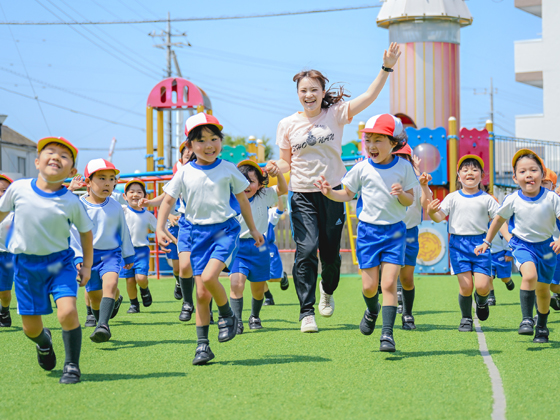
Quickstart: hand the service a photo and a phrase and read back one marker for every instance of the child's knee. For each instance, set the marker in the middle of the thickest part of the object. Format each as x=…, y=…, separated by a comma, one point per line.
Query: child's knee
x=203, y=296
x=370, y=290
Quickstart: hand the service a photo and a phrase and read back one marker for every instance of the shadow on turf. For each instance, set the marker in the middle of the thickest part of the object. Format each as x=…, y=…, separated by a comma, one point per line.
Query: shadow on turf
x=274, y=360
x=410, y=354
x=103, y=377
x=117, y=344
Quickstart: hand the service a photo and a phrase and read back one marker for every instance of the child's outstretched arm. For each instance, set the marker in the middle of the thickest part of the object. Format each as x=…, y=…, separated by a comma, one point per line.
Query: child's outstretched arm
x=427, y=195
x=274, y=171
x=86, y=241
x=248, y=217
x=434, y=211
x=154, y=202
x=335, y=195
x=492, y=232
x=163, y=235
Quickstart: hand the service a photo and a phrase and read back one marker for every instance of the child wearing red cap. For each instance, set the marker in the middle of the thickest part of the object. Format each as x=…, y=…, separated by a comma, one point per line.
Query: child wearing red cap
x=6, y=262
x=213, y=192
x=44, y=209
x=385, y=184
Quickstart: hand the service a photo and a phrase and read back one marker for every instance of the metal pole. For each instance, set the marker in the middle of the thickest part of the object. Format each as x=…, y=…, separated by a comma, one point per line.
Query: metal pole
x=452, y=141
x=490, y=129
x=149, y=139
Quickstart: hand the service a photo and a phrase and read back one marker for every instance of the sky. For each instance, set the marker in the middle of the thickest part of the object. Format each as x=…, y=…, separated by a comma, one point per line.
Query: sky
x=246, y=66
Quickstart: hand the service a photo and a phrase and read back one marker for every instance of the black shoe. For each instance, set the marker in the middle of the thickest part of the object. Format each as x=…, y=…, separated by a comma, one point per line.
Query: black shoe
x=46, y=357
x=146, y=297
x=178, y=293
x=254, y=323
x=541, y=335
x=466, y=325
x=491, y=301
x=240, y=328
x=228, y=328
x=482, y=312
x=510, y=285
x=526, y=327
x=5, y=319
x=554, y=302
x=186, y=312
x=117, y=307
x=400, y=309
x=101, y=334
x=387, y=343
x=367, y=325
x=70, y=375
x=408, y=322
x=90, y=321
x=202, y=355
x=133, y=309
x=284, y=283
x=269, y=302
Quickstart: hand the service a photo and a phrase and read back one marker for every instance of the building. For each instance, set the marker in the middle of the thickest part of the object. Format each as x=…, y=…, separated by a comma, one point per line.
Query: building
x=17, y=154
x=537, y=64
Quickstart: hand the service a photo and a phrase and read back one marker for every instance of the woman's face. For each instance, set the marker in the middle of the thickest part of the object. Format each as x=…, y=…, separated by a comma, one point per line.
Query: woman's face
x=311, y=94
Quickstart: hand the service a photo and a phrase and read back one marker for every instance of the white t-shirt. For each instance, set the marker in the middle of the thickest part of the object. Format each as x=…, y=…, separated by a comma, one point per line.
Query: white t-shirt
x=373, y=183
x=4, y=229
x=316, y=146
x=532, y=219
x=414, y=213
x=274, y=215
x=41, y=224
x=259, y=207
x=208, y=191
x=469, y=214
x=138, y=224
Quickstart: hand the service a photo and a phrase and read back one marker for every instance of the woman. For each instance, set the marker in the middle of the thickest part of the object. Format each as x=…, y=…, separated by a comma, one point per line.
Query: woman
x=310, y=146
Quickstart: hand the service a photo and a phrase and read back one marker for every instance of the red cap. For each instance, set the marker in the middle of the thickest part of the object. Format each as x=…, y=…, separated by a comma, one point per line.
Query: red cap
x=201, y=119
x=183, y=145
x=176, y=167
x=96, y=165
x=2, y=176
x=383, y=124
x=406, y=150
x=60, y=140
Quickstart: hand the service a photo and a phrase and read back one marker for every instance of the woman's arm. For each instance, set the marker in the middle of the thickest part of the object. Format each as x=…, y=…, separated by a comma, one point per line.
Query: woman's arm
x=285, y=161
x=273, y=170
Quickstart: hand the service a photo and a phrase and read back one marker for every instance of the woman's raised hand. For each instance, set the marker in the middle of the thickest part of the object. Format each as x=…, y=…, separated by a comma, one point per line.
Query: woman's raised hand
x=391, y=55
x=272, y=168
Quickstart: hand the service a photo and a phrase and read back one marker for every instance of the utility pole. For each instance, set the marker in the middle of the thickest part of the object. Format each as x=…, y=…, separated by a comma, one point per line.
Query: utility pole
x=491, y=94
x=167, y=44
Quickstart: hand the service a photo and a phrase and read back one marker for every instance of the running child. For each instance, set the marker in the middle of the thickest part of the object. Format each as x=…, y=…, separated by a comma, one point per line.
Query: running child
x=533, y=211
x=251, y=262
x=501, y=265
x=549, y=182
x=213, y=192
x=277, y=273
x=43, y=266
x=6, y=262
x=138, y=220
x=385, y=184
x=469, y=210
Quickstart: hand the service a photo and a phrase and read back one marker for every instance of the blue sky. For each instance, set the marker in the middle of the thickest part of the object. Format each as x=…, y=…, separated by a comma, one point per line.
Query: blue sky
x=245, y=66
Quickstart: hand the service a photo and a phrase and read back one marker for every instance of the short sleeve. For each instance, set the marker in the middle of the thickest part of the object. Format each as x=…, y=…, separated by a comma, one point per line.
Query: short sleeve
x=238, y=181
x=340, y=111
x=353, y=179
x=80, y=218
x=282, y=139
x=274, y=216
x=506, y=209
x=152, y=221
x=174, y=187
x=410, y=180
x=271, y=197
x=7, y=200
x=556, y=204
x=493, y=207
x=446, y=204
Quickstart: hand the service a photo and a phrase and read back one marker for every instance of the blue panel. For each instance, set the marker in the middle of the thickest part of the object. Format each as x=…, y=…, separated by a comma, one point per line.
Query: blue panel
x=437, y=138
x=433, y=257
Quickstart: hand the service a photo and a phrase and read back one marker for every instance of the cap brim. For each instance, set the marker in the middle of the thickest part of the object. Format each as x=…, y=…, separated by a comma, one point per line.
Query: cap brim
x=523, y=152
x=477, y=158
x=134, y=181
x=250, y=163
x=4, y=177
x=60, y=140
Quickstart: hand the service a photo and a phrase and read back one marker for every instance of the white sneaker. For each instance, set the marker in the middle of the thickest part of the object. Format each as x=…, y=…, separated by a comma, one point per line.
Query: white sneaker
x=326, y=303
x=308, y=324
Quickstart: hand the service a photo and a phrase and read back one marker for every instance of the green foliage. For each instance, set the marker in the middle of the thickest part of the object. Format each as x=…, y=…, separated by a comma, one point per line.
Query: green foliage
x=242, y=141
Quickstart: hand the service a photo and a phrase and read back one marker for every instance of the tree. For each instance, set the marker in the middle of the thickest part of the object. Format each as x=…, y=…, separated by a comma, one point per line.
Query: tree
x=241, y=140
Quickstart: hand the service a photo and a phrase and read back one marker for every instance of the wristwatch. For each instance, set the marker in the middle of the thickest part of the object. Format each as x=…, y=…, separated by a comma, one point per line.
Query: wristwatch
x=387, y=69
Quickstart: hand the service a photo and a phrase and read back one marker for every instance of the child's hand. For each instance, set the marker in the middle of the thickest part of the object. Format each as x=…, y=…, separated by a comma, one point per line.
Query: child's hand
x=272, y=169
x=259, y=240
x=507, y=258
x=323, y=185
x=164, y=249
x=143, y=202
x=396, y=189
x=165, y=238
x=424, y=178
x=76, y=183
x=433, y=207
x=481, y=249
x=359, y=160
x=173, y=220
x=391, y=55
x=128, y=266
x=85, y=274
x=556, y=246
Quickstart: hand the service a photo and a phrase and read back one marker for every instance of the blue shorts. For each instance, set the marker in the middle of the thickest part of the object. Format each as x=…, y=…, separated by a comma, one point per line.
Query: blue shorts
x=184, y=240
x=218, y=241
x=6, y=271
x=141, y=263
x=276, y=268
x=501, y=268
x=252, y=262
x=380, y=243
x=539, y=253
x=463, y=258
x=104, y=261
x=412, y=247
x=556, y=277
x=38, y=276
x=173, y=254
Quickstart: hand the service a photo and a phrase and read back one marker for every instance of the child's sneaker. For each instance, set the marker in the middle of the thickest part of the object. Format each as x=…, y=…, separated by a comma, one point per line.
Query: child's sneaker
x=466, y=325
x=5, y=319
x=269, y=301
x=482, y=311
x=101, y=334
x=71, y=374
x=554, y=302
x=491, y=301
x=526, y=327
x=541, y=335
x=284, y=283
x=186, y=312
x=308, y=324
x=46, y=356
x=146, y=297
x=408, y=322
x=90, y=321
x=227, y=328
x=133, y=310
x=117, y=307
x=240, y=328
x=510, y=285
x=178, y=293
x=387, y=343
x=254, y=323
x=367, y=325
x=202, y=355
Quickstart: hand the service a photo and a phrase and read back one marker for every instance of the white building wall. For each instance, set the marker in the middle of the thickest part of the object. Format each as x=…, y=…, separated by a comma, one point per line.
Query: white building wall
x=10, y=154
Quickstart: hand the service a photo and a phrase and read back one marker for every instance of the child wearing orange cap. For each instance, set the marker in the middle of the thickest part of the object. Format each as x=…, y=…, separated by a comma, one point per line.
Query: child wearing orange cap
x=6, y=262
x=39, y=238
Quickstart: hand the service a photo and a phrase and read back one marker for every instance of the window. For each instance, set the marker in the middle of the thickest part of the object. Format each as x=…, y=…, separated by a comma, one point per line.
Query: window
x=21, y=166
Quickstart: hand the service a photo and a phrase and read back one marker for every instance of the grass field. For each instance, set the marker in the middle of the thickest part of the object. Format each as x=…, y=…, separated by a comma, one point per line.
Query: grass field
x=145, y=370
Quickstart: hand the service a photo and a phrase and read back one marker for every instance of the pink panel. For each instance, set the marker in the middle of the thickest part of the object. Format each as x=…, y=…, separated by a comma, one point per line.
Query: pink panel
x=475, y=142
x=161, y=96
x=409, y=82
x=438, y=84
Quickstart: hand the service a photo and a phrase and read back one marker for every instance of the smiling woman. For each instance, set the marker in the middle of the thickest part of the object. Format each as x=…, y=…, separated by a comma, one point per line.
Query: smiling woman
x=310, y=144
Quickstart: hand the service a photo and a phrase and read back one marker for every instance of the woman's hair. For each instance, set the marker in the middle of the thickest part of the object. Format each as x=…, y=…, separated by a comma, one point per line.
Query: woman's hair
x=470, y=163
x=530, y=156
x=332, y=96
x=261, y=178
x=137, y=183
x=196, y=133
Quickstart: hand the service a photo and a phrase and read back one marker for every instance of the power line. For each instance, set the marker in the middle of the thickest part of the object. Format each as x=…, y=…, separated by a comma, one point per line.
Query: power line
x=198, y=19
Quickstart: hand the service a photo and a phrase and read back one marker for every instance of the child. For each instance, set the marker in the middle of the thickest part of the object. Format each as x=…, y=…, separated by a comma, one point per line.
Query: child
x=6, y=262
x=533, y=212
x=111, y=243
x=252, y=263
x=549, y=182
x=138, y=221
x=213, y=192
x=469, y=210
x=386, y=184
x=501, y=265
x=277, y=273
x=43, y=212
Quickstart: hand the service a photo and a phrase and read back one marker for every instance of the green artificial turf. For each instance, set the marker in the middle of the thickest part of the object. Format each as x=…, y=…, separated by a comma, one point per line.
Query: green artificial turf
x=145, y=370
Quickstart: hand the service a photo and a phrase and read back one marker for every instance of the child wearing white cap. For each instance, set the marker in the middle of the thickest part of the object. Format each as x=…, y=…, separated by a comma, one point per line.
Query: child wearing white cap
x=385, y=184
